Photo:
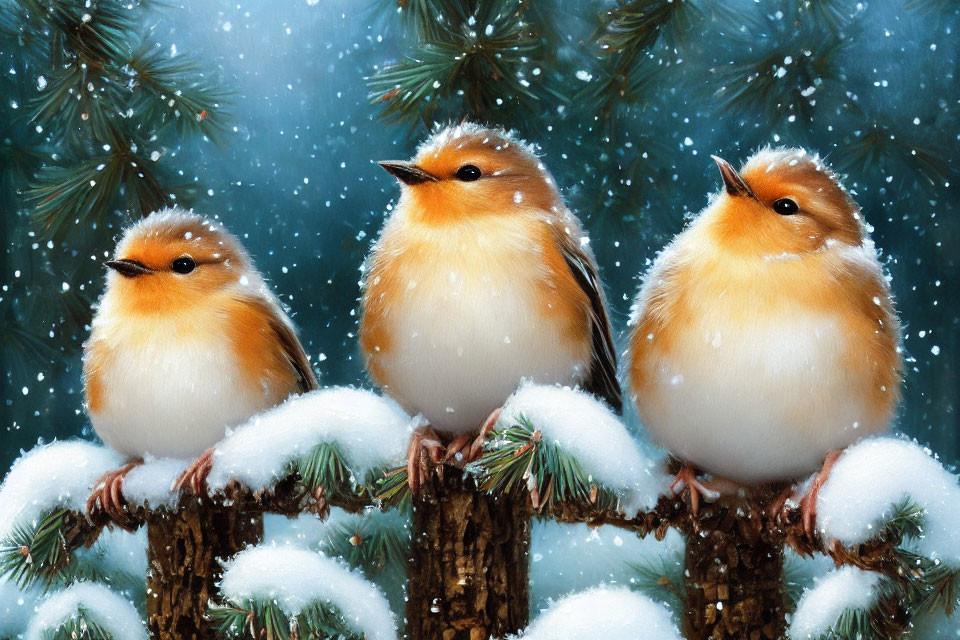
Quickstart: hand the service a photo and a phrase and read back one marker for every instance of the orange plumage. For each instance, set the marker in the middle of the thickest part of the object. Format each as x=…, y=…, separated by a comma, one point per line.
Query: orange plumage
x=481, y=278
x=187, y=341
x=764, y=335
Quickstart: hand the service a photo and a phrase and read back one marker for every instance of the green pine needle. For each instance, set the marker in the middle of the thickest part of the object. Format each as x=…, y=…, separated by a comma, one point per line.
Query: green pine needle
x=265, y=619
x=661, y=578
x=518, y=458
x=375, y=542
x=766, y=84
x=38, y=553
x=636, y=25
x=474, y=65
x=81, y=626
x=392, y=490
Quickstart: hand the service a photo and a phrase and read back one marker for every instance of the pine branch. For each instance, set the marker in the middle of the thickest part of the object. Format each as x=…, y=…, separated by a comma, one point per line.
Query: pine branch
x=618, y=86
x=878, y=148
x=885, y=620
x=256, y=619
x=83, y=625
x=634, y=26
x=473, y=66
x=173, y=90
x=82, y=193
x=833, y=15
x=374, y=542
x=661, y=579
x=782, y=82
x=41, y=552
x=519, y=458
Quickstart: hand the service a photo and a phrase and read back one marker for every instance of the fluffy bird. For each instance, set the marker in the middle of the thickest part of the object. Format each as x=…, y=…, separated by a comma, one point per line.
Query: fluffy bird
x=187, y=341
x=764, y=338
x=481, y=277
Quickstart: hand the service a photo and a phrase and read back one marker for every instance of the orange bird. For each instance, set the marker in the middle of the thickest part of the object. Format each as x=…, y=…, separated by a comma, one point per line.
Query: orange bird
x=481, y=277
x=187, y=341
x=764, y=338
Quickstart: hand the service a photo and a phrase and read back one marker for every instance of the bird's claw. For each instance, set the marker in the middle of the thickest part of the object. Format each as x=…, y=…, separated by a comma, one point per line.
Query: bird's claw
x=107, y=498
x=808, y=503
x=466, y=447
x=686, y=478
x=194, y=477
x=425, y=451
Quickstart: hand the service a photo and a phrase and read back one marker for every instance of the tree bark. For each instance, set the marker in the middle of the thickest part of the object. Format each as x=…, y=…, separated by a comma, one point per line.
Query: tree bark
x=184, y=550
x=734, y=578
x=469, y=567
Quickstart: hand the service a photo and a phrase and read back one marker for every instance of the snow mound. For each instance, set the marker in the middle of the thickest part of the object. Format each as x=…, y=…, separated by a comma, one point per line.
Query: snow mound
x=820, y=607
x=370, y=430
x=611, y=614
x=876, y=474
x=590, y=431
x=151, y=484
x=92, y=602
x=295, y=578
x=16, y=607
x=53, y=476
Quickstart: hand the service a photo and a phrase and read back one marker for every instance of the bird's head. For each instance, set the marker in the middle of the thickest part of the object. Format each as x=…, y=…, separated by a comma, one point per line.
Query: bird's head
x=783, y=201
x=467, y=170
x=172, y=260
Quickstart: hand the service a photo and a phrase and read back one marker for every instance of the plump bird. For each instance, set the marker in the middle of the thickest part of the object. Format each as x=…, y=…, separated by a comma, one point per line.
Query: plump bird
x=187, y=341
x=481, y=277
x=764, y=337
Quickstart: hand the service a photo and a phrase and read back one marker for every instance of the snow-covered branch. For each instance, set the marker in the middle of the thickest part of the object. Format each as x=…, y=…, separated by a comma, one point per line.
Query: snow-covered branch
x=288, y=591
x=317, y=450
x=86, y=610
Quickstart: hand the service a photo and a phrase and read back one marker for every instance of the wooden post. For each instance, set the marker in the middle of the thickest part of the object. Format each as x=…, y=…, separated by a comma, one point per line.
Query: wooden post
x=734, y=577
x=469, y=567
x=184, y=550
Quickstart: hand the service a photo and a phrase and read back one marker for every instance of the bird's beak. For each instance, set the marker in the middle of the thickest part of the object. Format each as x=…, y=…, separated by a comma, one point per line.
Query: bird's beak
x=732, y=180
x=407, y=172
x=128, y=268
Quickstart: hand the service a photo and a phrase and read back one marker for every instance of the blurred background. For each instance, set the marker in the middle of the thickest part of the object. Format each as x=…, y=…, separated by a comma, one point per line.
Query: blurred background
x=270, y=115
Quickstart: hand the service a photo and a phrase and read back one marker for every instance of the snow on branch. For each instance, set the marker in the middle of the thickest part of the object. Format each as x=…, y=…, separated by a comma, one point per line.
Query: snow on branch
x=875, y=475
x=41, y=508
x=279, y=589
x=568, y=448
x=611, y=614
x=332, y=437
x=86, y=610
x=842, y=604
x=890, y=507
x=51, y=477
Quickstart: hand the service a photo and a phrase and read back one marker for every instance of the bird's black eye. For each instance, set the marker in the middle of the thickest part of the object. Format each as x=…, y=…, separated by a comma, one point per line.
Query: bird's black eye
x=468, y=173
x=785, y=206
x=183, y=264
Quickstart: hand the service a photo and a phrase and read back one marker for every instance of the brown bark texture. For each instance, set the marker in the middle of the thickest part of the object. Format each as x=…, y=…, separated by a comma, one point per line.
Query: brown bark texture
x=733, y=577
x=185, y=547
x=469, y=567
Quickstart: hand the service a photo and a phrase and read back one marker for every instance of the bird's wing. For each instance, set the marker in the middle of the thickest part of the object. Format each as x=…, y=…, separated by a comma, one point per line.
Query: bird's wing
x=287, y=339
x=602, y=379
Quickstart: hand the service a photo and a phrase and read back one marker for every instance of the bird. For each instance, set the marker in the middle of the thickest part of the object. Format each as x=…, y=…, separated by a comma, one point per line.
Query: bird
x=764, y=338
x=187, y=341
x=480, y=278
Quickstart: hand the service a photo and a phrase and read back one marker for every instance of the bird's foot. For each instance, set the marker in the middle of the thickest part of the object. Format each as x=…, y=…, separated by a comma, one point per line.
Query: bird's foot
x=424, y=454
x=466, y=447
x=107, y=498
x=709, y=490
x=808, y=503
x=194, y=477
